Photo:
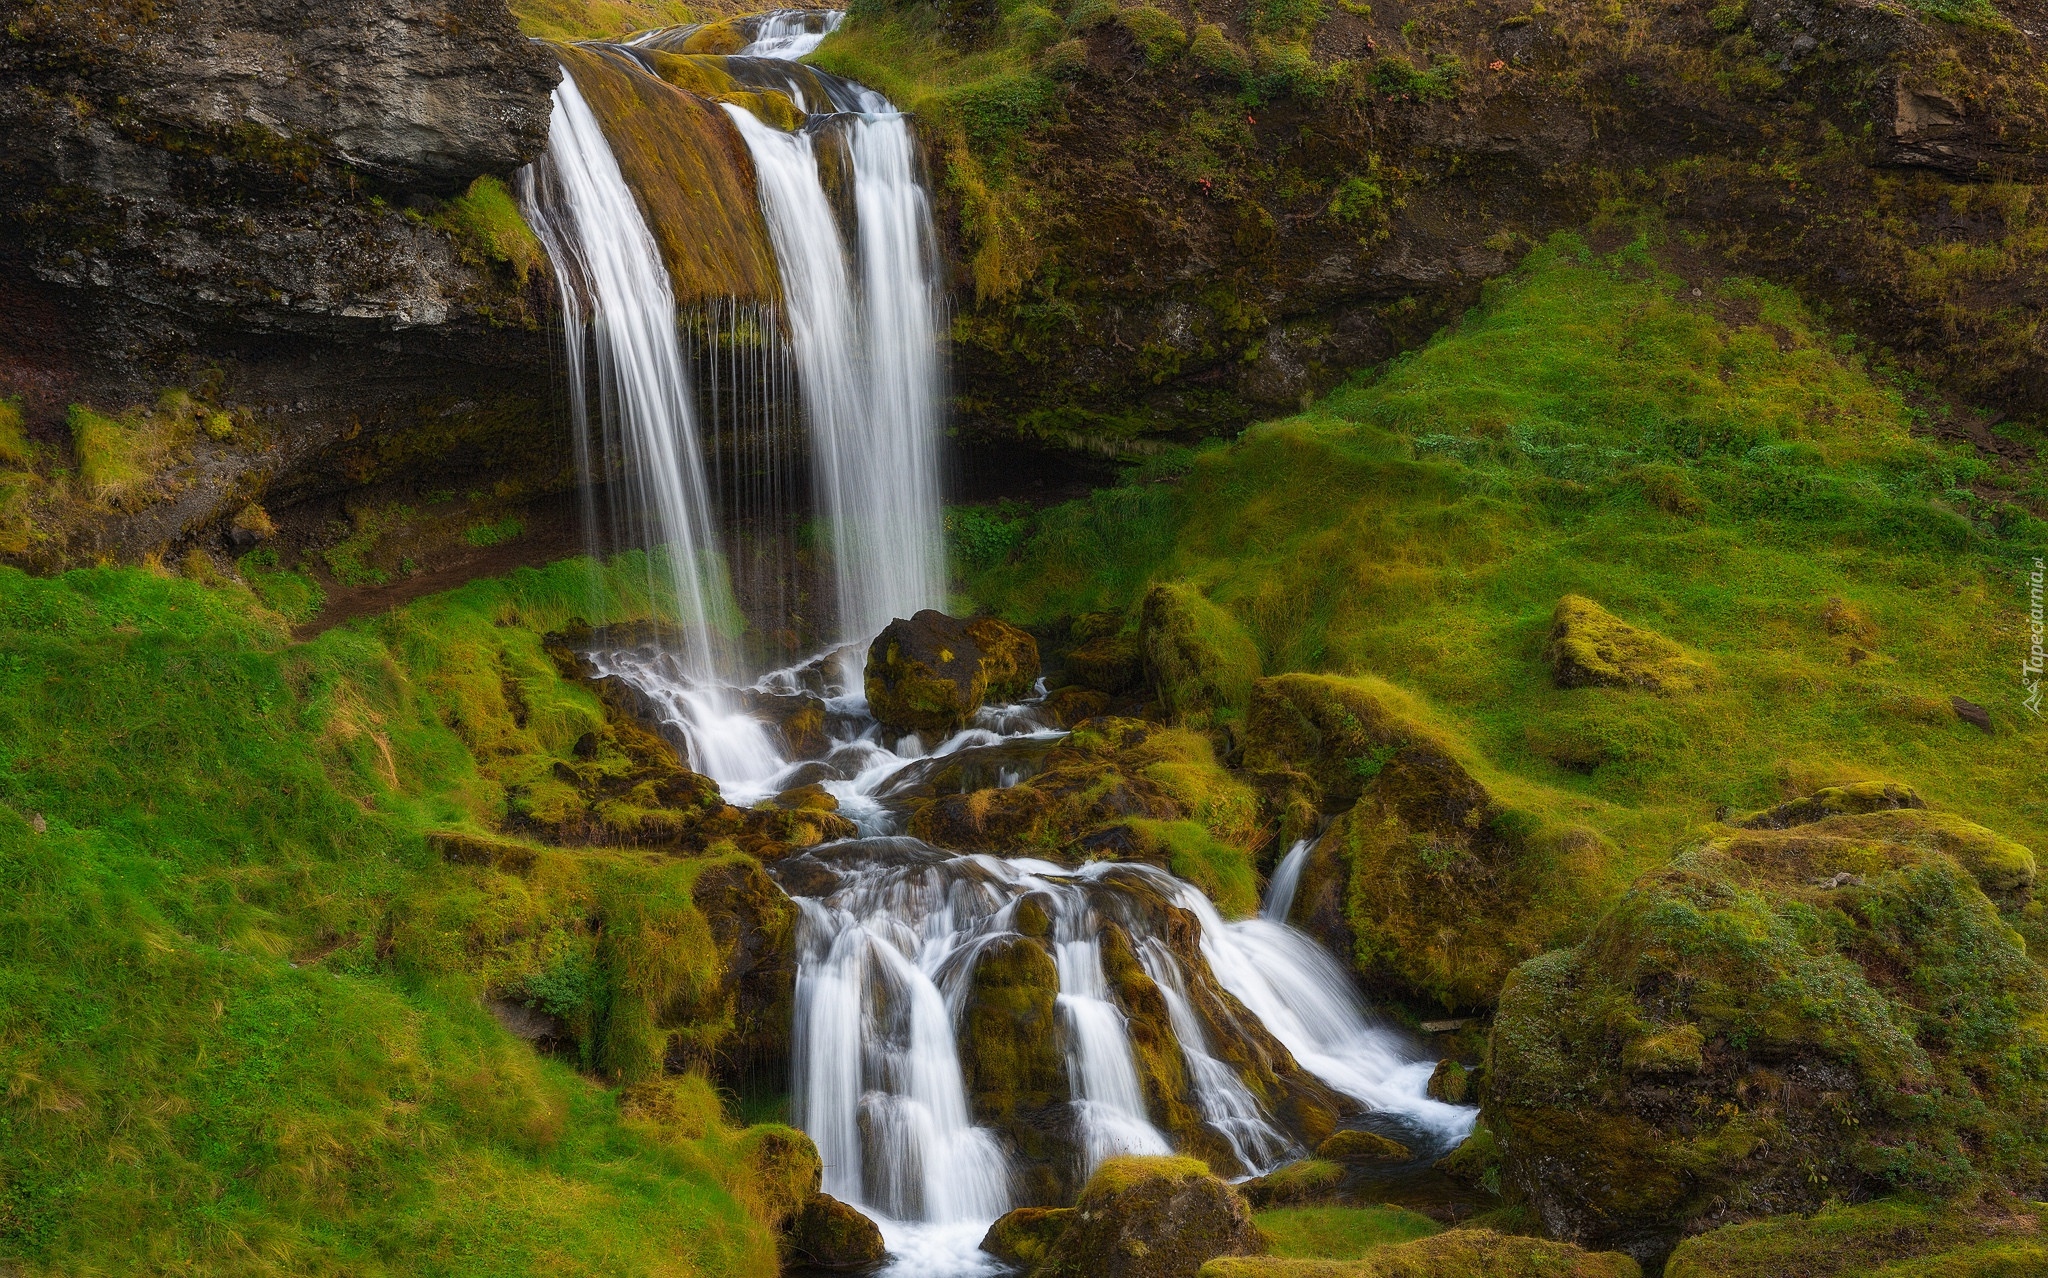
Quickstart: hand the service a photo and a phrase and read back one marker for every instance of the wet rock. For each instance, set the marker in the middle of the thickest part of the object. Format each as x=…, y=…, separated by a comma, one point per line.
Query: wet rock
x=828, y=1234
x=1475, y=1163
x=1069, y=706
x=799, y=718
x=807, y=798
x=1591, y=647
x=1457, y=1253
x=931, y=672
x=1451, y=1083
x=1714, y=1051
x=1156, y=1051
x=1200, y=662
x=1013, y=1063
x=1335, y=732
x=1363, y=1147
x=770, y=834
x=1151, y=1218
x=1024, y=1237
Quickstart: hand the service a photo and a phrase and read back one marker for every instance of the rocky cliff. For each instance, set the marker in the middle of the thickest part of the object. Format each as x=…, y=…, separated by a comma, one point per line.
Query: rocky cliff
x=272, y=208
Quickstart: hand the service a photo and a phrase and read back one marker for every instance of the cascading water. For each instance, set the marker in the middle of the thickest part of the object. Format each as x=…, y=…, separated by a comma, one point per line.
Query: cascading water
x=868, y=355
x=892, y=929
x=611, y=275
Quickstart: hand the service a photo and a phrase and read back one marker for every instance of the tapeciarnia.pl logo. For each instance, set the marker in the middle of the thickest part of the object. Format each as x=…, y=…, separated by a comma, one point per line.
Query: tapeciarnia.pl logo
x=2036, y=660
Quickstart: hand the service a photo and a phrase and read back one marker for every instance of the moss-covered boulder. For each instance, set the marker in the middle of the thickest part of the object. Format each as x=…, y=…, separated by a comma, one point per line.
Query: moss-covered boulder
x=1778, y=1019
x=1841, y=800
x=1997, y=1236
x=781, y=1167
x=772, y=831
x=1112, y=664
x=753, y=926
x=1457, y=1253
x=1448, y=889
x=1591, y=647
x=931, y=672
x=1024, y=1237
x=828, y=1234
x=1156, y=1052
x=1013, y=1063
x=1151, y=1218
x=1307, y=1181
x=1337, y=731
x=1200, y=662
x=1353, y=1146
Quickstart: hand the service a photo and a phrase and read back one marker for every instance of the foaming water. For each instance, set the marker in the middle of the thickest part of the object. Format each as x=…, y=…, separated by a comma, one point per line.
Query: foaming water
x=792, y=33
x=1286, y=880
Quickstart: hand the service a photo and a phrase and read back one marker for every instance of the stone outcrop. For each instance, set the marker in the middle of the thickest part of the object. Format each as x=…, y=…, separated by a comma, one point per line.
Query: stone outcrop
x=1777, y=1019
x=1141, y=1218
x=931, y=672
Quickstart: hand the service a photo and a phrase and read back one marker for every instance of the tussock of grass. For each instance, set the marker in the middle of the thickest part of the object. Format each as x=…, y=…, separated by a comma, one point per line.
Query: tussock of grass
x=1339, y=1233
x=14, y=447
x=241, y=1019
x=1717, y=468
x=487, y=223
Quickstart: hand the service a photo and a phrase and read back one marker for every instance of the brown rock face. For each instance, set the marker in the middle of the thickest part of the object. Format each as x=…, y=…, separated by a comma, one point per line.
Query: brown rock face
x=828, y=1234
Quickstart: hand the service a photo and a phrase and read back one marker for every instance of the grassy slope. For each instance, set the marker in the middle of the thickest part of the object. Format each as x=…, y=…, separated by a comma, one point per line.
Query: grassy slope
x=1717, y=468
x=239, y=1017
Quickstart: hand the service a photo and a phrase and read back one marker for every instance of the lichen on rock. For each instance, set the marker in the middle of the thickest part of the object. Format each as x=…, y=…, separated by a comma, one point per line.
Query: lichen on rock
x=1591, y=647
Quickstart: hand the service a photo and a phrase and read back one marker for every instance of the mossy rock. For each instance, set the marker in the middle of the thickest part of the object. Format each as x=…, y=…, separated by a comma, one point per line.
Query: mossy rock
x=1337, y=731
x=1591, y=647
x=1151, y=1218
x=1476, y=1160
x=772, y=833
x=1156, y=1052
x=1457, y=1253
x=1841, y=800
x=931, y=672
x=1451, y=1083
x=753, y=926
x=784, y=1170
x=1994, y=1237
x=1447, y=889
x=828, y=1234
x=1776, y=1019
x=1354, y=1146
x=1024, y=1236
x=1309, y=1180
x=1112, y=664
x=1200, y=662
x=1013, y=1064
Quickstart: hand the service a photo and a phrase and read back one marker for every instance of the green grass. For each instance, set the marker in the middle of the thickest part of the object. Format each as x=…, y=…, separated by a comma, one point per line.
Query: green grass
x=105, y=450
x=487, y=223
x=1339, y=1233
x=1720, y=469
x=240, y=1024
x=14, y=446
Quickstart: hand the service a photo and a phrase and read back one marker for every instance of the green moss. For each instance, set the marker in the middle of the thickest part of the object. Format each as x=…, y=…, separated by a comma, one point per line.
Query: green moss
x=292, y=595
x=1304, y=1181
x=1127, y=1171
x=14, y=445
x=494, y=534
x=598, y=19
x=1339, y=1233
x=105, y=450
x=1591, y=647
x=1160, y=35
x=224, y=915
x=1893, y=1237
x=1223, y=872
x=486, y=223
x=1458, y=1253
x=1200, y=661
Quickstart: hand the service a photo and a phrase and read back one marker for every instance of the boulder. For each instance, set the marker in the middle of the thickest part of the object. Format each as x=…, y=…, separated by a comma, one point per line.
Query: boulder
x=1451, y=1083
x=1112, y=664
x=1013, y=1062
x=828, y=1234
x=1200, y=662
x=782, y=1167
x=1777, y=1019
x=1353, y=1146
x=1307, y=1181
x=753, y=925
x=799, y=717
x=1457, y=1253
x=1024, y=1237
x=931, y=672
x=1591, y=647
x=1151, y=1218
x=1336, y=731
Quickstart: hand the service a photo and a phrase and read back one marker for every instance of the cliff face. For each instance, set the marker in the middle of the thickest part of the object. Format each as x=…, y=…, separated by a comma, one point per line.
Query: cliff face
x=261, y=203
x=1175, y=219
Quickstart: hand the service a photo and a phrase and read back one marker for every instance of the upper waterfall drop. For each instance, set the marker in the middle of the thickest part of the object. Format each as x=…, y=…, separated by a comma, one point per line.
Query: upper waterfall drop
x=611, y=277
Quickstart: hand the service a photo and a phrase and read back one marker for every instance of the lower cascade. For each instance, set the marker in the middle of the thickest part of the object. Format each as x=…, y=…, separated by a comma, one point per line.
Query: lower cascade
x=896, y=937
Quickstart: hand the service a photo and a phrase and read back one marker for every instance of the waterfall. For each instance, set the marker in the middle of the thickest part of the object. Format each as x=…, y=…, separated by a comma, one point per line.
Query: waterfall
x=791, y=33
x=606, y=261
x=1286, y=878
x=868, y=357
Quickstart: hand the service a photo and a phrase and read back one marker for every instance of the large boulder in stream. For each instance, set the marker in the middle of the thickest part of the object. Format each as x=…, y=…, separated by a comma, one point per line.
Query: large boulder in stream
x=1012, y=1061
x=828, y=1234
x=929, y=673
x=1137, y=1218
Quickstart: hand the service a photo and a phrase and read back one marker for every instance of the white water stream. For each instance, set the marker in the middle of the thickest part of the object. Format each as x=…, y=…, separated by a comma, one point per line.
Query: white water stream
x=887, y=947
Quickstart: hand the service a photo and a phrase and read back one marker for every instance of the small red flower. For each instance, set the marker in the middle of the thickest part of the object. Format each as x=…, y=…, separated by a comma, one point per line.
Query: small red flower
x=1496, y=65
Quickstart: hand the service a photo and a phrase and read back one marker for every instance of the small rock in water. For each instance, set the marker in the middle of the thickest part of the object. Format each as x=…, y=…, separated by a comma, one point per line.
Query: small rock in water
x=1450, y=1083
x=931, y=672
